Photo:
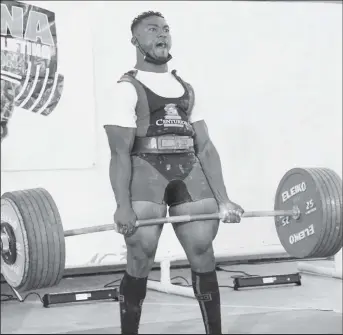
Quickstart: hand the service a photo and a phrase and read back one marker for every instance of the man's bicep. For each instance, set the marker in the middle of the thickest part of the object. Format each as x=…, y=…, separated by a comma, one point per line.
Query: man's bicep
x=121, y=106
x=198, y=112
x=120, y=139
x=201, y=135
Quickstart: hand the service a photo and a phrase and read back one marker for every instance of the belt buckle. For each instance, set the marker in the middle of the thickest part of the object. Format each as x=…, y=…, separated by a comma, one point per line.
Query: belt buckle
x=184, y=143
x=167, y=142
x=174, y=142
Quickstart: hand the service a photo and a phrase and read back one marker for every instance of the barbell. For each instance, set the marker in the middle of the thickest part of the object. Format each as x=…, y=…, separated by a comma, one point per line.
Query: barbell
x=307, y=212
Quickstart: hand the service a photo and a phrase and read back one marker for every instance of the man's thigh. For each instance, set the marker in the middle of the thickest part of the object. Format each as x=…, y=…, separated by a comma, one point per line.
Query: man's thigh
x=144, y=241
x=147, y=184
x=142, y=245
x=196, y=237
x=147, y=192
x=198, y=187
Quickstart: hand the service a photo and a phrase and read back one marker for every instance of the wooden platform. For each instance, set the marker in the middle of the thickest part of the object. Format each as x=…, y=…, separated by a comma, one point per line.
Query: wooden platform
x=313, y=308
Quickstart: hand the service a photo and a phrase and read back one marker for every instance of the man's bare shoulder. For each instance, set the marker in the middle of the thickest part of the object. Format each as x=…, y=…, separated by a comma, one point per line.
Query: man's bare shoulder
x=121, y=105
x=125, y=89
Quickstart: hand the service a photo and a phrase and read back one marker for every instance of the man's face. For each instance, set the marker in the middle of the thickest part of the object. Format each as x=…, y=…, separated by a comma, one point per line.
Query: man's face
x=154, y=37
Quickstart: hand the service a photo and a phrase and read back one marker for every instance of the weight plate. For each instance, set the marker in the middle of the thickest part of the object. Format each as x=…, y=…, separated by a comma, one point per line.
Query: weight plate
x=15, y=274
x=37, y=245
x=336, y=239
x=51, y=214
x=46, y=236
x=338, y=185
x=336, y=215
x=302, y=236
x=329, y=210
x=45, y=247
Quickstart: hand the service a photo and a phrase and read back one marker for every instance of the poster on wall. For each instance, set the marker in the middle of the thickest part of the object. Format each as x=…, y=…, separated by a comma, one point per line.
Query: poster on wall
x=29, y=58
x=36, y=106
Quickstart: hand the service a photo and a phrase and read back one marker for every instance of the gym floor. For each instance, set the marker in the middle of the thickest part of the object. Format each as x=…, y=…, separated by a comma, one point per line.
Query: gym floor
x=315, y=307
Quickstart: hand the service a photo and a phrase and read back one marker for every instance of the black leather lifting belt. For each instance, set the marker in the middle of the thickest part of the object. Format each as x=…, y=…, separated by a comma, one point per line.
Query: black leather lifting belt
x=163, y=144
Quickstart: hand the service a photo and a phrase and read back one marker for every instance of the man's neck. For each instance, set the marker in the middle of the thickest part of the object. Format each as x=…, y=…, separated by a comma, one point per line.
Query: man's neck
x=149, y=67
x=142, y=65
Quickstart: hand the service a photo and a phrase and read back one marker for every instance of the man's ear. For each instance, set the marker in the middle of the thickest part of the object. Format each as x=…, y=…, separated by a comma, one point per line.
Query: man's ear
x=134, y=40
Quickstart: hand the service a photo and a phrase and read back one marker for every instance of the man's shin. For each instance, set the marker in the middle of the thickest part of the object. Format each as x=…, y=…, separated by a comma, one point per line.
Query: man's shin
x=206, y=290
x=132, y=294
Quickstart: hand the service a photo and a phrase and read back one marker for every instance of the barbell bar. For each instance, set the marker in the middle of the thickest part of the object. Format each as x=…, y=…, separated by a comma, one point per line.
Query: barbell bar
x=180, y=219
x=5, y=244
x=173, y=219
x=307, y=214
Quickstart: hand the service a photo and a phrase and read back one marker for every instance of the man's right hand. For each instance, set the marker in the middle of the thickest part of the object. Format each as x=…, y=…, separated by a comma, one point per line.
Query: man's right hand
x=125, y=219
x=231, y=212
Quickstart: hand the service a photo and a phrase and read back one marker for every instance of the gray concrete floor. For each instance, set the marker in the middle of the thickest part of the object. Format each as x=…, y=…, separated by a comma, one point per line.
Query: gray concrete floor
x=315, y=307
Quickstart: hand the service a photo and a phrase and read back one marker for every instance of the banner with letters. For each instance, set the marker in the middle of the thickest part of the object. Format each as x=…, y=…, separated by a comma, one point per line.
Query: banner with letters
x=36, y=91
x=29, y=58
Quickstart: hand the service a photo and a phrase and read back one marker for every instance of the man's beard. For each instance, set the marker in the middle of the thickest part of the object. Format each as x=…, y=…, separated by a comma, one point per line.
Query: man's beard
x=160, y=55
x=158, y=58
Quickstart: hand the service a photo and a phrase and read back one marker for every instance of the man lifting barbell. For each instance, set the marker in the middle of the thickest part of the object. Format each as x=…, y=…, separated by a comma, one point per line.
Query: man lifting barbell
x=308, y=202
x=161, y=155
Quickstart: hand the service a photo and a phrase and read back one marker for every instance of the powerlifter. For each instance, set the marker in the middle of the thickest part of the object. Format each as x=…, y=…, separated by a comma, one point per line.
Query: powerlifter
x=162, y=156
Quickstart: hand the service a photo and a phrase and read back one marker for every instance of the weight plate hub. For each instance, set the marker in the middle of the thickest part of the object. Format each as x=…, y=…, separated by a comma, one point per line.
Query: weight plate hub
x=34, y=218
x=8, y=244
x=311, y=234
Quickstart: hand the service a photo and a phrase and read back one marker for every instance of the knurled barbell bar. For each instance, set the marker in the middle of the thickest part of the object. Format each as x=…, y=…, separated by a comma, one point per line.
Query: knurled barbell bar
x=295, y=213
x=307, y=211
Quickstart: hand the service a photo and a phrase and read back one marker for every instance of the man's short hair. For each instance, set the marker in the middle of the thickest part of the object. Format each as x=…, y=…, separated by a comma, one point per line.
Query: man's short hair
x=138, y=19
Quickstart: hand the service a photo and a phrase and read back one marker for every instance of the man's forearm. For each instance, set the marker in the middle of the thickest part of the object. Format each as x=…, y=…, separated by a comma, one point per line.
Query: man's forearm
x=211, y=165
x=120, y=176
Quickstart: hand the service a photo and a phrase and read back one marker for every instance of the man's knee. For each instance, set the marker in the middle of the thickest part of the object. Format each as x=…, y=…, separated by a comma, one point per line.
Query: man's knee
x=141, y=250
x=200, y=246
x=142, y=245
x=197, y=237
x=201, y=257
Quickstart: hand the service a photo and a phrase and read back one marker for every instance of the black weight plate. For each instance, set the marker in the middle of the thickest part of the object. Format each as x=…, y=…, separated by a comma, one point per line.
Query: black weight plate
x=329, y=210
x=41, y=223
x=51, y=213
x=300, y=237
x=336, y=235
x=335, y=205
x=46, y=235
x=41, y=245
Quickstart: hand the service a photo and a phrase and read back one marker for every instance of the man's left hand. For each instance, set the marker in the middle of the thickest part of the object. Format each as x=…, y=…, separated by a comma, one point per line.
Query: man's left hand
x=230, y=212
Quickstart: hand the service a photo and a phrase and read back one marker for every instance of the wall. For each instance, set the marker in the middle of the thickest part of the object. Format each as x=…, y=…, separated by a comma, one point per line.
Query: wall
x=270, y=75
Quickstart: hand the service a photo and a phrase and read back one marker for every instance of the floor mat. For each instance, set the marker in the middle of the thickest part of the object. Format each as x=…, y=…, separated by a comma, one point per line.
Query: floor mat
x=289, y=322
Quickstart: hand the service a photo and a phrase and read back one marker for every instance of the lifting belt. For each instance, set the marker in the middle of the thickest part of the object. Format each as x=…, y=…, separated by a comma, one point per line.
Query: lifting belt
x=163, y=144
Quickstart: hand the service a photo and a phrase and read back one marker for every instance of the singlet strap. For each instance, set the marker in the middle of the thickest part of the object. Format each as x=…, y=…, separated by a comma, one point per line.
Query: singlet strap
x=189, y=89
x=142, y=106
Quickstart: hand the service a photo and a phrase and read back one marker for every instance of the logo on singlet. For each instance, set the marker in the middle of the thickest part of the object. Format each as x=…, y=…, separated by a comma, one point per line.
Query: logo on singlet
x=172, y=118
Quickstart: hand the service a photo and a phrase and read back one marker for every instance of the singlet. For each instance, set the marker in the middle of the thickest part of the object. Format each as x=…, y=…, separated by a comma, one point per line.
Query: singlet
x=157, y=115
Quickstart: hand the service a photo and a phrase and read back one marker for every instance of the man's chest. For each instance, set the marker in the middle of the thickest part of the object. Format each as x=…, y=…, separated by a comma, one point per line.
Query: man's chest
x=161, y=85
